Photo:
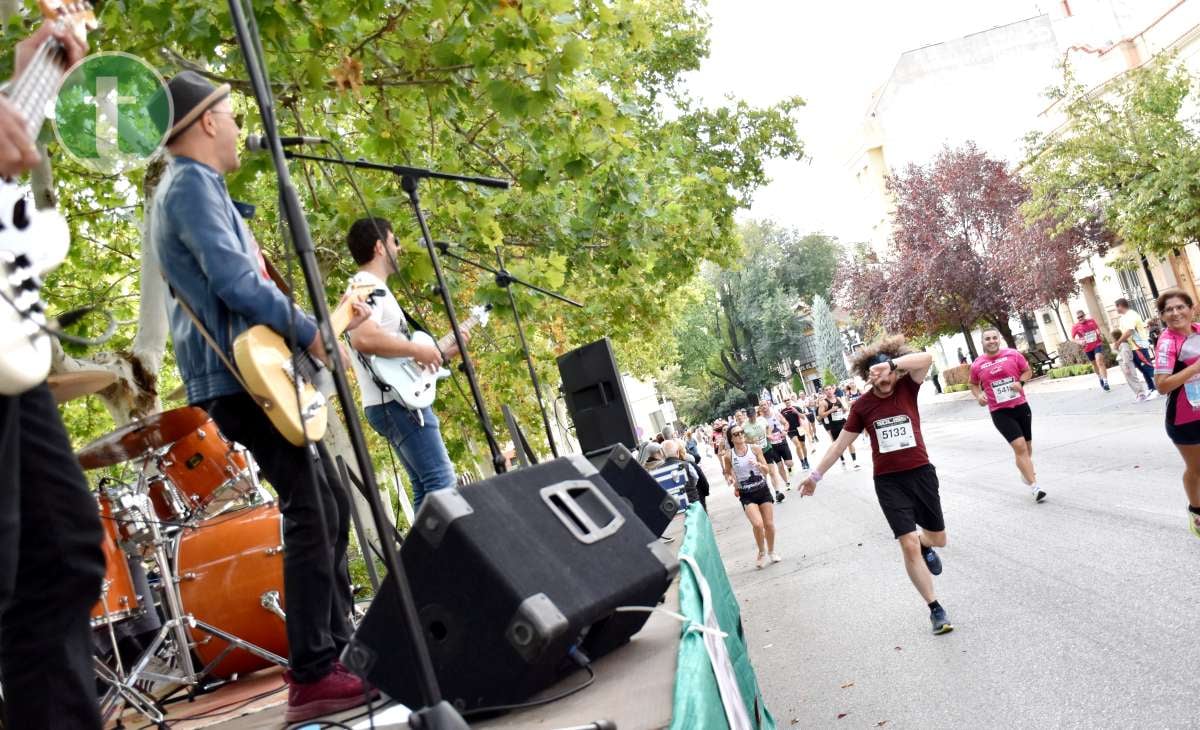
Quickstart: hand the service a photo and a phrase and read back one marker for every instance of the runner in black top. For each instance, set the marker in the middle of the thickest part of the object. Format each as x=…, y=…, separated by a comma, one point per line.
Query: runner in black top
x=795, y=420
x=831, y=409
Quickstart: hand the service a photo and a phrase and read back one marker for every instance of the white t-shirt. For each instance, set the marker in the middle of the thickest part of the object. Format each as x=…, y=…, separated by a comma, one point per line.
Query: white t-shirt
x=1131, y=320
x=387, y=314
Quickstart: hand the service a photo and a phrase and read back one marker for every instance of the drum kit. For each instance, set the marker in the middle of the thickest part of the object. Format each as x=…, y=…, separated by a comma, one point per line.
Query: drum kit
x=194, y=517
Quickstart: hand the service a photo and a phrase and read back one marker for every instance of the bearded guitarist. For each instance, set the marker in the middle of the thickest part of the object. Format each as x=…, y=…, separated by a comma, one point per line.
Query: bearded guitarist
x=216, y=271
x=415, y=435
x=51, y=565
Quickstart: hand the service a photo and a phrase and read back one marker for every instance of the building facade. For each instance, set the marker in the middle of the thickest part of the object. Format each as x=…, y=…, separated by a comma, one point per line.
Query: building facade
x=990, y=87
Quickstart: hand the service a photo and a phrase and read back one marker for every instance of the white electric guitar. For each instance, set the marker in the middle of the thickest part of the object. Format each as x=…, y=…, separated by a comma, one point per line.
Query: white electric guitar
x=32, y=242
x=416, y=386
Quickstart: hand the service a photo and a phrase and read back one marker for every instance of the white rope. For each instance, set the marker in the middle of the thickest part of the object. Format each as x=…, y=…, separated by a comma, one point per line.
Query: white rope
x=691, y=625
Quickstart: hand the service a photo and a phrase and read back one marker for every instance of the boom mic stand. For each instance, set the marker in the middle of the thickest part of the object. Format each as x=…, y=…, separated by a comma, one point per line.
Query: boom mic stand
x=409, y=179
x=437, y=714
x=505, y=280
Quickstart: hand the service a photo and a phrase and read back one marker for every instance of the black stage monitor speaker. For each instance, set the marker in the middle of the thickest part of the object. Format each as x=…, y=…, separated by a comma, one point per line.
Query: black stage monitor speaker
x=644, y=495
x=510, y=575
x=595, y=397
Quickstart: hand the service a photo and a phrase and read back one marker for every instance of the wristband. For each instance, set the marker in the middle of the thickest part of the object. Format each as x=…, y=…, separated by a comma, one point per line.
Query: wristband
x=815, y=475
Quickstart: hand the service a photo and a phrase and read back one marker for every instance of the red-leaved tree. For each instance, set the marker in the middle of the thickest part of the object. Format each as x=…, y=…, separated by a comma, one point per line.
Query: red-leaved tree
x=961, y=252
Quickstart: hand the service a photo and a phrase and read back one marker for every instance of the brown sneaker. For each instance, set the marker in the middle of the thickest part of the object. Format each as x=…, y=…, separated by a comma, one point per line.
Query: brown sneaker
x=336, y=691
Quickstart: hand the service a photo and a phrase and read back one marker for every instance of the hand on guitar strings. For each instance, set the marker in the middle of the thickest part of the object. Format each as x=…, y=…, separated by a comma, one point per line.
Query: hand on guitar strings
x=18, y=153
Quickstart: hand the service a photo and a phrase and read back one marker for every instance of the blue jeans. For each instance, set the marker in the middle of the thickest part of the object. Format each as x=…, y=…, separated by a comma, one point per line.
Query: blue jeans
x=420, y=448
x=1142, y=360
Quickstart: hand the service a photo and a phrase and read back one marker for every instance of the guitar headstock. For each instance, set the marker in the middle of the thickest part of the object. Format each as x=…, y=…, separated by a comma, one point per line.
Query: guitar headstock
x=481, y=313
x=78, y=17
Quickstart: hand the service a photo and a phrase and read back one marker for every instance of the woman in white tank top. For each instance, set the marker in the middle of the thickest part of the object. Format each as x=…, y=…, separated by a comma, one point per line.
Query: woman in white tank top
x=745, y=466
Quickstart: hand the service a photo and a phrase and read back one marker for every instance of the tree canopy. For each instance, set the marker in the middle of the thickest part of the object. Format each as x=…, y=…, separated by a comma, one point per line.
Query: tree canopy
x=623, y=184
x=961, y=251
x=1127, y=154
x=740, y=332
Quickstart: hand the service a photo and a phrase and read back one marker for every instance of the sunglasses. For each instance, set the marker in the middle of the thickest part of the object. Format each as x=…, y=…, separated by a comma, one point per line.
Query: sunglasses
x=736, y=433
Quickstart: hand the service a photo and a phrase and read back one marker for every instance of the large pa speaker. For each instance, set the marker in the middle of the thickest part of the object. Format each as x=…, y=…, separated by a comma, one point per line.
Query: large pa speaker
x=511, y=575
x=595, y=397
x=653, y=505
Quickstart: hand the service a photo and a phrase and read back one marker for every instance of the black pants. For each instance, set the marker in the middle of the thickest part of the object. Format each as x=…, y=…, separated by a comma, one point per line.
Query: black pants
x=51, y=567
x=316, y=524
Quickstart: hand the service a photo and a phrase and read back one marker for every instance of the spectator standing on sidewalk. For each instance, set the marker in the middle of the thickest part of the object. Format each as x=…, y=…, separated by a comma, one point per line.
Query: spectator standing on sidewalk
x=1133, y=376
x=1132, y=329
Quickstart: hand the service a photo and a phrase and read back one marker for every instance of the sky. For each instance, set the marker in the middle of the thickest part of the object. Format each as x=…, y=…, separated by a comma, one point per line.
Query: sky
x=834, y=55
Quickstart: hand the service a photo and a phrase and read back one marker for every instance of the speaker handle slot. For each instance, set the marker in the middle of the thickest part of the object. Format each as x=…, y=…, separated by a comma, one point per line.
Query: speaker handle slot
x=563, y=500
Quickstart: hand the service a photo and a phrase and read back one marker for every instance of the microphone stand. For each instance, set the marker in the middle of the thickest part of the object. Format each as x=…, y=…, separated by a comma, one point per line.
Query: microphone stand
x=505, y=280
x=409, y=179
x=437, y=714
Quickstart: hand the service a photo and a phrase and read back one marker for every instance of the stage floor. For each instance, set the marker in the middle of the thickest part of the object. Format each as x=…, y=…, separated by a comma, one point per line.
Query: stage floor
x=634, y=689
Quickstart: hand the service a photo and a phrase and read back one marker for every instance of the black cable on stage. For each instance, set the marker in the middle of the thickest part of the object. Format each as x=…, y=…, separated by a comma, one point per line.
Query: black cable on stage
x=536, y=703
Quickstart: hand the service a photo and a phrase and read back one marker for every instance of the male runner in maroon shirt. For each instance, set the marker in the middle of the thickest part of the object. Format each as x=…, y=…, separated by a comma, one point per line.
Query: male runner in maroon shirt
x=905, y=482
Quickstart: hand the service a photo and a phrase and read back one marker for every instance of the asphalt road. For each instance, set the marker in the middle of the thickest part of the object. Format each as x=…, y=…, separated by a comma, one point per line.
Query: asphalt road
x=1083, y=611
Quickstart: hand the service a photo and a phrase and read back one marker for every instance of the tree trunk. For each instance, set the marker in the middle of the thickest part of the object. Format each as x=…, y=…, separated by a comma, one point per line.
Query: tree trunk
x=730, y=322
x=970, y=341
x=1028, y=323
x=337, y=440
x=135, y=393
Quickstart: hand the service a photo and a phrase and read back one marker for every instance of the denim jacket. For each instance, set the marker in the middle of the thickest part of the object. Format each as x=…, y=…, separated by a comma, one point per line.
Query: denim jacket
x=210, y=259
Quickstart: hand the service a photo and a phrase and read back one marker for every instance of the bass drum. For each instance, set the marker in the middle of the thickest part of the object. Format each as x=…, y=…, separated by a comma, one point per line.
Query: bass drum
x=230, y=572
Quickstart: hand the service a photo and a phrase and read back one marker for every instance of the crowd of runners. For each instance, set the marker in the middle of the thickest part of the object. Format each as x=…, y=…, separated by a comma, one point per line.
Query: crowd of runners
x=759, y=451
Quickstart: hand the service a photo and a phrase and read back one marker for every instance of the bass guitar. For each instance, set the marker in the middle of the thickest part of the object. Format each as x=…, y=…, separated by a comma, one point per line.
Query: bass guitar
x=32, y=242
x=291, y=385
x=416, y=386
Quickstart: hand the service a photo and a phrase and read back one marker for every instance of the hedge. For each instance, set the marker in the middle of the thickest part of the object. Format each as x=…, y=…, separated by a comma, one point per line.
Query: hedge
x=1070, y=371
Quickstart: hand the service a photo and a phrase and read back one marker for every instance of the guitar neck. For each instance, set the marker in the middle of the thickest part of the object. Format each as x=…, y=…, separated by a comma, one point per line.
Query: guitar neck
x=449, y=340
x=32, y=91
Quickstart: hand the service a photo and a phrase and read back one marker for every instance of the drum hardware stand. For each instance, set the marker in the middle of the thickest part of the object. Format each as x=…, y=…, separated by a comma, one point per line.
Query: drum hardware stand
x=118, y=686
x=505, y=280
x=437, y=713
x=121, y=688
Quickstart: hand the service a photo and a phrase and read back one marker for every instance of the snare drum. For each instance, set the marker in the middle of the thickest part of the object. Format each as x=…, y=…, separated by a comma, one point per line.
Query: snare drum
x=204, y=476
x=230, y=571
x=117, y=599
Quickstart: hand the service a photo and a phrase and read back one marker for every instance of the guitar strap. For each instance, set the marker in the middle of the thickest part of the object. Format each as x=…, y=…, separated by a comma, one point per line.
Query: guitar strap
x=212, y=343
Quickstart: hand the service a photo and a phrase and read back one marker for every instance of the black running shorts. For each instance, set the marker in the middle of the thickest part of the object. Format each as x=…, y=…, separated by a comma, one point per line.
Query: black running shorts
x=782, y=451
x=771, y=455
x=1014, y=423
x=835, y=428
x=796, y=434
x=759, y=495
x=910, y=498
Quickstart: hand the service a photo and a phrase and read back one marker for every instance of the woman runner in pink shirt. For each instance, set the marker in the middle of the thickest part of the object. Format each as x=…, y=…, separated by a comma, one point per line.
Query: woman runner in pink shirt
x=1177, y=376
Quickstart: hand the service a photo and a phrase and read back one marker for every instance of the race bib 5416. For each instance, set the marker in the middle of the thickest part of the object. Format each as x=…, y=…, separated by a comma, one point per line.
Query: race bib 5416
x=1004, y=391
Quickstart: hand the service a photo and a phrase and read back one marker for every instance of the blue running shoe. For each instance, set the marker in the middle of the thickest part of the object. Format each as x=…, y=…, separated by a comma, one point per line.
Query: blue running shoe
x=941, y=622
x=932, y=561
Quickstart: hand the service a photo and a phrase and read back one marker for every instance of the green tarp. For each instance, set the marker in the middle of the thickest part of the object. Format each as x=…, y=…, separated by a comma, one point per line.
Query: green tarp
x=697, y=703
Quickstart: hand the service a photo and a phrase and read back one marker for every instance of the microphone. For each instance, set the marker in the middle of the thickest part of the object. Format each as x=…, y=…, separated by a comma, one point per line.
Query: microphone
x=259, y=143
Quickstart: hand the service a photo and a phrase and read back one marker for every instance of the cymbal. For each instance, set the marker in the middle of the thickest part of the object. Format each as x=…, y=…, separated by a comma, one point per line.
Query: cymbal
x=68, y=386
x=141, y=437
